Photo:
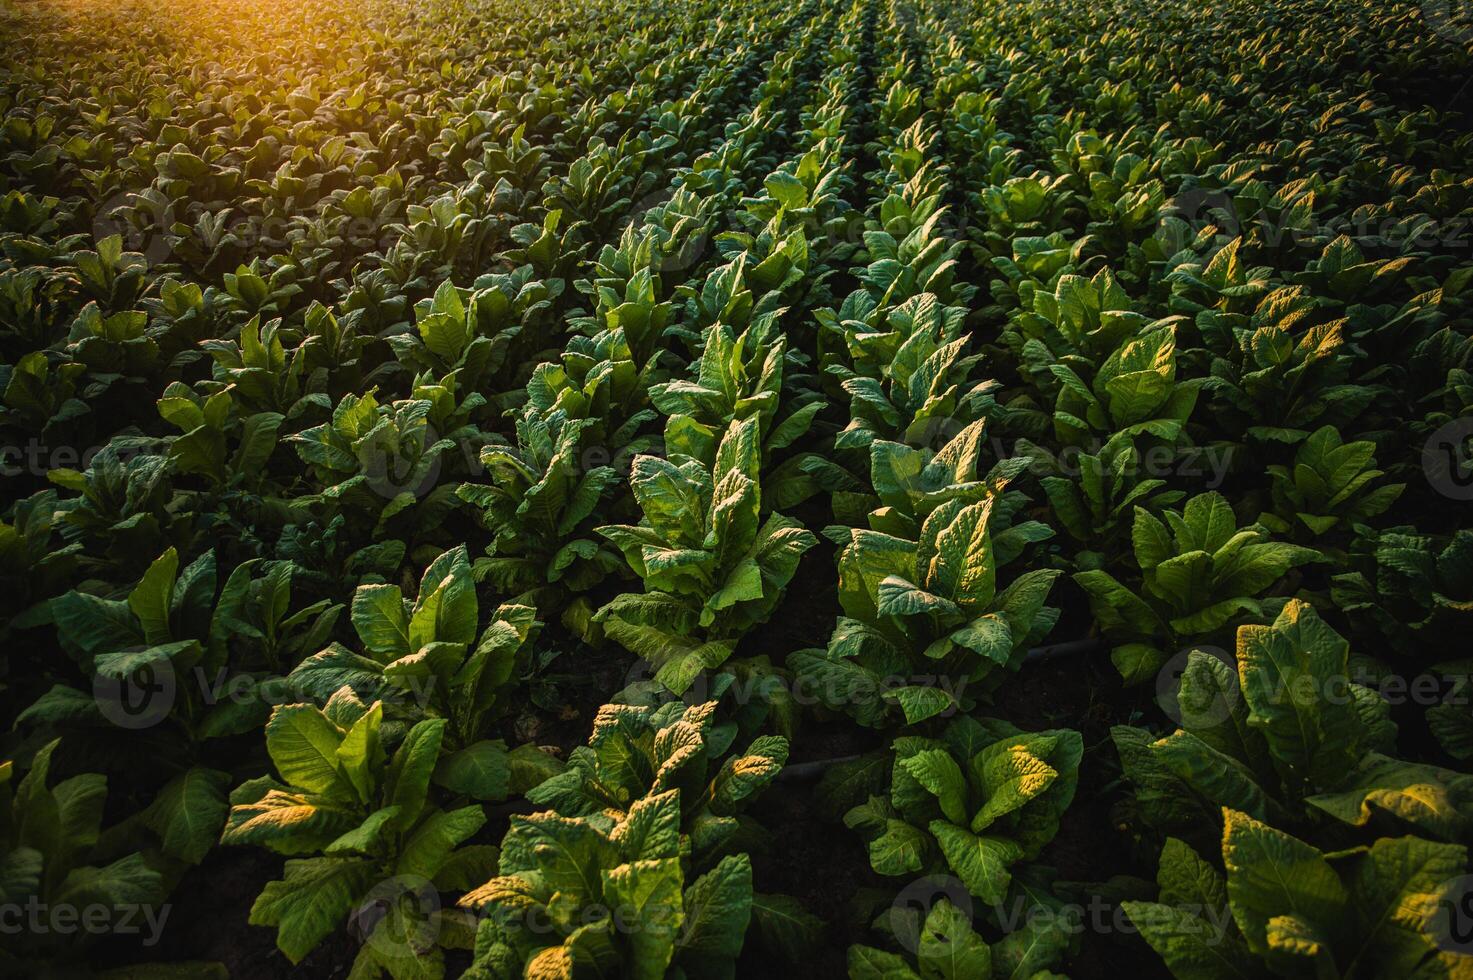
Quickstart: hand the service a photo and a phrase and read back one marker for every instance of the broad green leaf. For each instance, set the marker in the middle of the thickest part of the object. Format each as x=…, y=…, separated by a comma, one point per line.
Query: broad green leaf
x=949, y=949
x=303, y=745
x=1271, y=874
x=311, y=901
x=152, y=598
x=938, y=772
x=189, y=812
x=430, y=843
x=981, y=862
x=718, y=907
x=647, y=895
x=378, y=616
x=481, y=771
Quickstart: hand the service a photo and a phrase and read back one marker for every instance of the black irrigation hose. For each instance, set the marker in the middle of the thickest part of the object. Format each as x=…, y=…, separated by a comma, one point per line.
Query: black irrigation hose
x=811, y=770
x=1054, y=651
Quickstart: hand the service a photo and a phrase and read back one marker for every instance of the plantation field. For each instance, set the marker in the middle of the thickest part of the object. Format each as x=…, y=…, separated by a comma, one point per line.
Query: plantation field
x=896, y=489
